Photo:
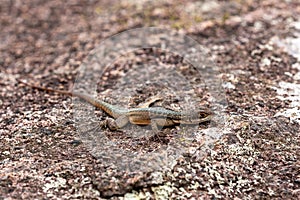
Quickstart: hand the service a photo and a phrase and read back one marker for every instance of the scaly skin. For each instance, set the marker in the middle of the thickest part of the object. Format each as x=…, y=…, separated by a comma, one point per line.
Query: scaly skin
x=156, y=116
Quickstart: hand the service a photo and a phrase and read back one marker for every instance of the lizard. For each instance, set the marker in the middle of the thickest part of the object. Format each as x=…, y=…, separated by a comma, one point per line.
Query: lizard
x=154, y=116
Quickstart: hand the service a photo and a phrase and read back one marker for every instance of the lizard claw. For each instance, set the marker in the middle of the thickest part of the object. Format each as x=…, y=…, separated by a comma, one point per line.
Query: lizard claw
x=109, y=123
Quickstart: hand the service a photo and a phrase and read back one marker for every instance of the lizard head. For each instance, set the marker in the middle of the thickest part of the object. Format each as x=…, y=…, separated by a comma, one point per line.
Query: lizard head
x=196, y=116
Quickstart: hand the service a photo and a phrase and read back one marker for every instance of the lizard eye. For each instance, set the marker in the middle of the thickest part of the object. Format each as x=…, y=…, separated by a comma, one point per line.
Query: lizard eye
x=204, y=113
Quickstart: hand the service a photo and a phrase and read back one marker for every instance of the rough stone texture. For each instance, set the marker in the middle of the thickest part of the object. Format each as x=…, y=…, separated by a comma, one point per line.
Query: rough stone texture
x=41, y=156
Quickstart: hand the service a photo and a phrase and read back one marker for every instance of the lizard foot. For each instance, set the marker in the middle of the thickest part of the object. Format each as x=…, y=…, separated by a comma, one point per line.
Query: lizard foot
x=109, y=123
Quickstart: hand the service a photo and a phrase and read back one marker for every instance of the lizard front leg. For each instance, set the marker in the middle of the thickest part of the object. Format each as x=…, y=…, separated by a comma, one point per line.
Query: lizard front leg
x=162, y=122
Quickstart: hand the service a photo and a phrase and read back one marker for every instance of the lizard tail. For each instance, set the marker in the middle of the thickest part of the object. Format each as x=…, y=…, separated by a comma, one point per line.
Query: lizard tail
x=46, y=89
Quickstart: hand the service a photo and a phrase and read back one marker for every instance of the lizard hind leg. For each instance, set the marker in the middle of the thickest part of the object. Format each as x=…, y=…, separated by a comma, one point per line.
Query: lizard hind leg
x=121, y=121
x=151, y=101
x=108, y=123
x=114, y=124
